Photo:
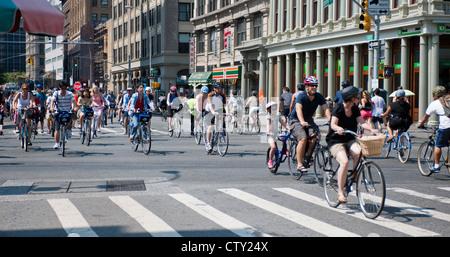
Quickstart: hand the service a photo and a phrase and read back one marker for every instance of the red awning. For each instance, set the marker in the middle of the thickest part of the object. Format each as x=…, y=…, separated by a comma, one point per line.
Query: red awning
x=39, y=17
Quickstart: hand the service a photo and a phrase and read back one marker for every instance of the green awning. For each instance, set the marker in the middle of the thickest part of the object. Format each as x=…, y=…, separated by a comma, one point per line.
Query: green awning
x=201, y=77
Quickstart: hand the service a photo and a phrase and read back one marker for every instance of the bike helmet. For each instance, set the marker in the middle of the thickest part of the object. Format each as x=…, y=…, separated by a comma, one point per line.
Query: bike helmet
x=270, y=104
x=345, y=83
x=311, y=80
x=218, y=84
x=38, y=86
x=205, y=89
x=349, y=92
x=173, y=88
x=234, y=92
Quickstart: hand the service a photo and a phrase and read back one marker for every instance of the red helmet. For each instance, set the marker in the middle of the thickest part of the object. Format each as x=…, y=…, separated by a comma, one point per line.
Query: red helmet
x=173, y=88
x=311, y=80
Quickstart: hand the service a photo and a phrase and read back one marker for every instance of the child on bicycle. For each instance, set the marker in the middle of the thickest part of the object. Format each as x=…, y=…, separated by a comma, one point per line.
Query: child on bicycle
x=272, y=129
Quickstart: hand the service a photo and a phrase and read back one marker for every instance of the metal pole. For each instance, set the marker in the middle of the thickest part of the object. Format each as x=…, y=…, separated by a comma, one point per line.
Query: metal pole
x=129, y=70
x=149, y=46
x=376, y=50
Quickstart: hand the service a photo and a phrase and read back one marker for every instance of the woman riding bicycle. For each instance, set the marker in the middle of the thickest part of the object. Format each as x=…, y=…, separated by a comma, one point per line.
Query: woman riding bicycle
x=84, y=102
x=346, y=116
x=99, y=102
x=138, y=103
x=25, y=100
x=400, y=114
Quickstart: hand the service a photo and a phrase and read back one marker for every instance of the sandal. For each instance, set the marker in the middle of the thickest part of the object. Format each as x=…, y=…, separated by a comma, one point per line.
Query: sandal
x=341, y=198
x=302, y=169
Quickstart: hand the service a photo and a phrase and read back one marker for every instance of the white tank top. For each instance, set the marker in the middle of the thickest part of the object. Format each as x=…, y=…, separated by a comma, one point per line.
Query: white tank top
x=23, y=103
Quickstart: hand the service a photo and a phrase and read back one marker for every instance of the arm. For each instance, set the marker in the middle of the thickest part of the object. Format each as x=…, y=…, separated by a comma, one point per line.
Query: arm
x=424, y=119
x=388, y=111
x=327, y=111
x=365, y=125
x=298, y=110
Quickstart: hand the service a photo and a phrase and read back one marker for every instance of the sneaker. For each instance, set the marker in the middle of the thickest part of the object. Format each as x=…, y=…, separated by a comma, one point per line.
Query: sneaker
x=270, y=164
x=208, y=147
x=56, y=146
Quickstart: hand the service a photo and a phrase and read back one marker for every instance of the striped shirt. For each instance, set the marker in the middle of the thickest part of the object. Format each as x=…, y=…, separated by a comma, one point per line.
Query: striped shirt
x=64, y=103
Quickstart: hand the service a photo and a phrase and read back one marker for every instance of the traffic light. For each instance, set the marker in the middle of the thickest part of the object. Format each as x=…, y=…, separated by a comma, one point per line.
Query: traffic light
x=75, y=62
x=32, y=61
x=365, y=18
x=29, y=61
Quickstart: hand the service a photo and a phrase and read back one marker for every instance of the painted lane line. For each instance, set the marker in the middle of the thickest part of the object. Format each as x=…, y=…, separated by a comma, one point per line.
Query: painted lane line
x=70, y=218
x=218, y=217
x=296, y=217
x=421, y=195
x=149, y=221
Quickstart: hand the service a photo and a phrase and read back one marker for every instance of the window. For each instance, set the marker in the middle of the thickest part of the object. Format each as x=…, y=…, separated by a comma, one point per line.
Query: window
x=120, y=9
x=226, y=2
x=184, y=11
x=144, y=22
x=183, y=43
x=294, y=15
x=120, y=31
x=257, y=25
x=125, y=29
x=338, y=10
x=104, y=17
x=94, y=3
x=144, y=47
x=241, y=33
x=137, y=53
x=158, y=14
x=115, y=34
x=136, y=24
x=315, y=12
x=158, y=43
x=120, y=54
x=201, y=7
x=131, y=51
x=304, y=8
x=201, y=42
x=125, y=53
x=104, y=3
x=115, y=12
x=284, y=15
x=212, y=5
x=131, y=26
x=115, y=55
x=212, y=37
x=94, y=17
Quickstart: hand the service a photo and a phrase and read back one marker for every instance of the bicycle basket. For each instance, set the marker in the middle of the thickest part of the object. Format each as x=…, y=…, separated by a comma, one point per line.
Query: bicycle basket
x=64, y=117
x=371, y=145
x=144, y=117
x=89, y=113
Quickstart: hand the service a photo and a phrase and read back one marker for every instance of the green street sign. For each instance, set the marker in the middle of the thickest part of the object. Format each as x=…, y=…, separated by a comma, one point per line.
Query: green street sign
x=327, y=3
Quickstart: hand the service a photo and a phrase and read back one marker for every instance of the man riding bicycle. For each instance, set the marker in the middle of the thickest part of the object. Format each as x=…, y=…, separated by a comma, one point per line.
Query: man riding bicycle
x=301, y=119
x=65, y=102
x=215, y=107
x=443, y=134
x=111, y=99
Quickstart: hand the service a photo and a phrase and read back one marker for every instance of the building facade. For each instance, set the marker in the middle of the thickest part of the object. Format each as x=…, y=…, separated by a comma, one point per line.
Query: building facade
x=229, y=38
x=306, y=39
x=150, y=33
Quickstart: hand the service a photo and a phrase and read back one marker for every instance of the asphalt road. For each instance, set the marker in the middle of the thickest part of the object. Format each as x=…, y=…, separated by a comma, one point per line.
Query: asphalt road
x=106, y=189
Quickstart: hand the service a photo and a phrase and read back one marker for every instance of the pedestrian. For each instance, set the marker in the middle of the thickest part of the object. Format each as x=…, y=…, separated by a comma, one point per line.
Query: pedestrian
x=378, y=108
x=191, y=103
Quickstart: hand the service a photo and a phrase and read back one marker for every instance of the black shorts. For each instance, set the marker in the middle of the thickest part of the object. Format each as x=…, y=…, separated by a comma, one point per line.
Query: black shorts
x=400, y=123
x=57, y=123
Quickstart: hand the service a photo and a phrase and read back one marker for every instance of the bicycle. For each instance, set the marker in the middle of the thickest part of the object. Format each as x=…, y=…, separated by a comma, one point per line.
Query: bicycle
x=86, y=133
x=176, y=123
x=280, y=156
x=94, y=128
x=293, y=163
x=425, y=156
x=198, y=132
x=369, y=179
x=234, y=123
x=23, y=133
x=64, y=120
x=250, y=125
x=143, y=134
x=112, y=111
x=219, y=136
x=401, y=143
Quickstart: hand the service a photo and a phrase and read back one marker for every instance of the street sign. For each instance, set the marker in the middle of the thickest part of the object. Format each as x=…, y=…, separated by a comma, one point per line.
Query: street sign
x=327, y=3
x=374, y=43
x=378, y=7
x=77, y=86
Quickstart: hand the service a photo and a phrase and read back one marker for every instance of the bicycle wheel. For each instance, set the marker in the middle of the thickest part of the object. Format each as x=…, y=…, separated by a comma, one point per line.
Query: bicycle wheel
x=404, y=149
x=146, y=139
x=198, y=134
x=88, y=131
x=425, y=158
x=25, y=136
x=371, y=190
x=275, y=160
x=321, y=163
x=222, y=143
x=62, y=139
x=22, y=136
x=177, y=128
x=83, y=133
x=386, y=147
x=135, y=143
x=258, y=125
x=171, y=131
x=330, y=187
x=292, y=161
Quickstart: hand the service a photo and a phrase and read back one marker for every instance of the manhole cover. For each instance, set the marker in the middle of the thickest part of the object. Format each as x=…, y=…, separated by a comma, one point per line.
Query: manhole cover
x=125, y=185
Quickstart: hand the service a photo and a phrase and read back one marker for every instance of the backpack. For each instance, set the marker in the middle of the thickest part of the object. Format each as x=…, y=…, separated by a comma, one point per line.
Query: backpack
x=445, y=101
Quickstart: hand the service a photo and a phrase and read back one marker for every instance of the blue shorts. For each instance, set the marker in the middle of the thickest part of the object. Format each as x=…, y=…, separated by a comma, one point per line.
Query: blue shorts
x=442, y=137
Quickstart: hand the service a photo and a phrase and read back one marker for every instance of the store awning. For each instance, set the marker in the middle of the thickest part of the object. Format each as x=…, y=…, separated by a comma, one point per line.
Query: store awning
x=39, y=17
x=227, y=73
x=201, y=77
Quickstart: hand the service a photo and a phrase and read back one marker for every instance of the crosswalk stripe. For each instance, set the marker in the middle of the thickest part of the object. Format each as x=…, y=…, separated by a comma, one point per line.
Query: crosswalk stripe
x=296, y=217
x=222, y=219
x=421, y=195
x=445, y=188
x=381, y=221
x=70, y=218
x=149, y=221
x=419, y=210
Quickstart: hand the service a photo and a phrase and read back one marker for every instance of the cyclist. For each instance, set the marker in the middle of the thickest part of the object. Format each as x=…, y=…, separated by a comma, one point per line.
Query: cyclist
x=139, y=102
x=443, y=134
x=84, y=102
x=216, y=106
x=22, y=101
x=173, y=101
x=338, y=98
x=63, y=101
x=301, y=119
x=272, y=129
x=99, y=102
x=111, y=98
x=253, y=105
x=126, y=116
x=48, y=115
x=346, y=116
x=43, y=98
x=400, y=114
x=119, y=104
x=201, y=101
x=236, y=106
x=300, y=88
x=191, y=104
x=285, y=102
x=2, y=110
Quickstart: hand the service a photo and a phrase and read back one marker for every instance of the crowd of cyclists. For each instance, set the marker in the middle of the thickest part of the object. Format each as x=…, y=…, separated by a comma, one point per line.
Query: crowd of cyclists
x=294, y=111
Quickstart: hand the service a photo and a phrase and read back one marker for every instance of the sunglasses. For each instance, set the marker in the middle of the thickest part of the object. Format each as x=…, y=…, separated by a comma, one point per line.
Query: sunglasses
x=311, y=85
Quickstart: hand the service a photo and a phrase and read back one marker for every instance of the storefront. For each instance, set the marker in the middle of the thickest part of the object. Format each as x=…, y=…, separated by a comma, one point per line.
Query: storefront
x=230, y=77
